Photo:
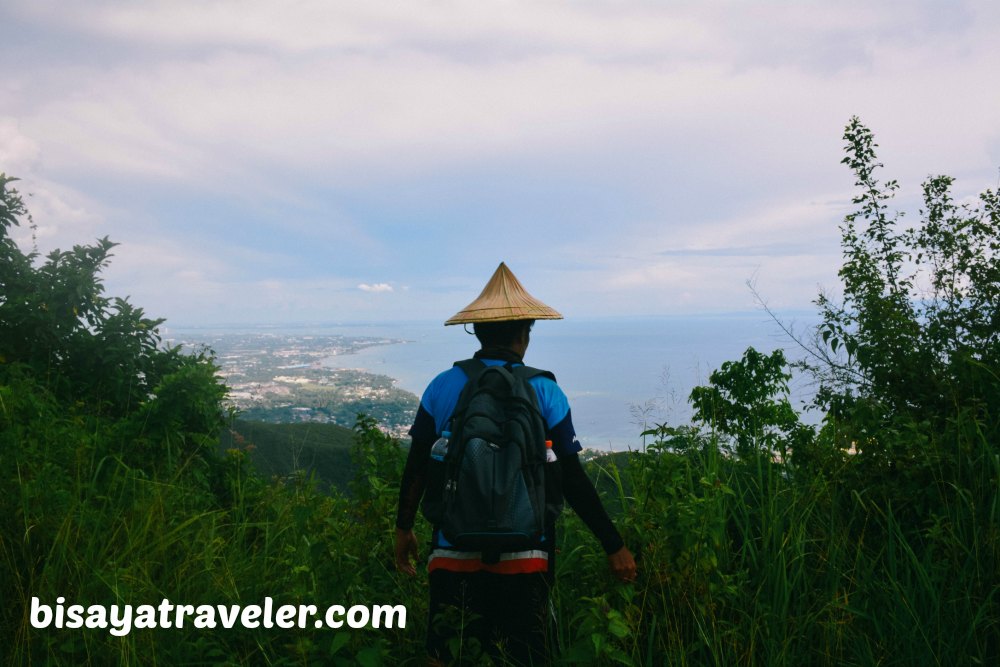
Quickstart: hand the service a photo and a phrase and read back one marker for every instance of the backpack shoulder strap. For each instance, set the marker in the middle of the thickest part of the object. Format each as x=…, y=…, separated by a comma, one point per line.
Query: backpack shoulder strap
x=527, y=372
x=471, y=367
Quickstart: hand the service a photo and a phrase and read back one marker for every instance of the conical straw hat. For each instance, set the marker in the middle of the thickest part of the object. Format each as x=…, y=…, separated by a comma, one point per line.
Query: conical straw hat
x=504, y=298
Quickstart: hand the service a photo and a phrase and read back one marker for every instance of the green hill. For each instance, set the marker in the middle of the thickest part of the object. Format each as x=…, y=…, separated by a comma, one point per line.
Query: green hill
x=324, y=452
x=278, y=450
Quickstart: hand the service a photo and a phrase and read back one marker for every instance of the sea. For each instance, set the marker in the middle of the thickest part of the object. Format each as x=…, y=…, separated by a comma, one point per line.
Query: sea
x=621, y=375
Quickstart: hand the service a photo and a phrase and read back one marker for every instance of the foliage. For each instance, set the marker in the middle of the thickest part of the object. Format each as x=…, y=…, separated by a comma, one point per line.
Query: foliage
x=54, y=318
x=747, y=401
x=919, y=326
x=379, y=460
x=283, y=451
x=910, y=355
x=91, y=407
x=870, y=541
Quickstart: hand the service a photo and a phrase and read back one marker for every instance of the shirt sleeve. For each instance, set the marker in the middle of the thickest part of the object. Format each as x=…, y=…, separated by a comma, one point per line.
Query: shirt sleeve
x=551, y=399
x=441, y=397
x=581, y=495
x=563, y=437
x=436, y=405
x=577, y=488
x=558, y=417
x=411, y=486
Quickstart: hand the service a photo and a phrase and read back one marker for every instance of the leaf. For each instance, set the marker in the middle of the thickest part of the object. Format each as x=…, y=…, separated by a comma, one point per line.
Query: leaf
x=617, y=626
x=369, y=657
x=339, y=641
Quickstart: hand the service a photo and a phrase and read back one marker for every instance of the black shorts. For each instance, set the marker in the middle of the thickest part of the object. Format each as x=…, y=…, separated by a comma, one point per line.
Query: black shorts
x=506, y=616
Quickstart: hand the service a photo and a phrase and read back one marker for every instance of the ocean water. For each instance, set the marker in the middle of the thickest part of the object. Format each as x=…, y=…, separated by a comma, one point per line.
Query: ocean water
x=621, y=375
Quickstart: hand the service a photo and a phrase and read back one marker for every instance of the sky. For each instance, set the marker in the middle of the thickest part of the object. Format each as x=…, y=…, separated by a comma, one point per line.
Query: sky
x=314, y=160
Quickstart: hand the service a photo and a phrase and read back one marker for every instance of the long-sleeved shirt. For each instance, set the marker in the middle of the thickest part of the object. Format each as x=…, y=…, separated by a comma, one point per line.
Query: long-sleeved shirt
x=436, y=407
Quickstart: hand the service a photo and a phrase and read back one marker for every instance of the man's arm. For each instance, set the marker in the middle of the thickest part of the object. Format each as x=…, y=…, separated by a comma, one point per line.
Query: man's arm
x=577, y=487
x=411, y=490
x=582, y=497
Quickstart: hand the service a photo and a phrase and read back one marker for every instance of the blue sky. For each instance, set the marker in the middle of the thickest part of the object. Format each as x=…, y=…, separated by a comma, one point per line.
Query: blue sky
x=371, y=161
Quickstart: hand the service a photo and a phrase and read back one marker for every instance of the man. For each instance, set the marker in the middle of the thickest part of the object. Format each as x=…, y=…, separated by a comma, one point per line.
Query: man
x=505, y=603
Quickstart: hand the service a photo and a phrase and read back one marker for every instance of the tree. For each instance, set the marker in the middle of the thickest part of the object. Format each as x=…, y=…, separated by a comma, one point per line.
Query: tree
x=918, y=330
x=98, y=356
x=747, y=401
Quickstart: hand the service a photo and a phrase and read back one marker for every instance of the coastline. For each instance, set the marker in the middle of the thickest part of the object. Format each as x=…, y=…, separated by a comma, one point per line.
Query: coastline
x=621, y=375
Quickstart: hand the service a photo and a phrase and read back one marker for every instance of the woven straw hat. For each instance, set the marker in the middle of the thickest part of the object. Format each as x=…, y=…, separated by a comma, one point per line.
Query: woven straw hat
x=503, y=299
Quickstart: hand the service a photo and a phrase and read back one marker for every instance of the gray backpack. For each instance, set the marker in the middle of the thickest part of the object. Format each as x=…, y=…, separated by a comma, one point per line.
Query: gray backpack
x=489, y=492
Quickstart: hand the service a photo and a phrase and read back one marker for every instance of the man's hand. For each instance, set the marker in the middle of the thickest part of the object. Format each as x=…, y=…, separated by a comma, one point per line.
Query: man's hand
x=406, y=547
x=622, y=564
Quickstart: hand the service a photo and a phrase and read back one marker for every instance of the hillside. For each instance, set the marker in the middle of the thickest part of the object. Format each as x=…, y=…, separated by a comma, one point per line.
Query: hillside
x=323, y=451
x=277, y=450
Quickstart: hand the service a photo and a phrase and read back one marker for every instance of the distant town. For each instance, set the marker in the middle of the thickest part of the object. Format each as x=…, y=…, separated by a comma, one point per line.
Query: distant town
x=280, y=378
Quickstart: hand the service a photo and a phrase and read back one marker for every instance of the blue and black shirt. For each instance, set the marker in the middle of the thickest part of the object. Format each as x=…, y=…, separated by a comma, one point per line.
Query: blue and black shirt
x=436, y=407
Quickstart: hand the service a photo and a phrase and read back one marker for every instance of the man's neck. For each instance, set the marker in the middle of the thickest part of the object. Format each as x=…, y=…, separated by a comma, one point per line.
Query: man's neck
x=499, y=353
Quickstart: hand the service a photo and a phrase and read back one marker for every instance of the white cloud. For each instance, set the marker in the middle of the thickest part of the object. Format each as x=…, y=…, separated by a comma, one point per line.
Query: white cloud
x=363, y=91
x=377, y=287
x=60, y=216
x=693, y=139
x=17, y=152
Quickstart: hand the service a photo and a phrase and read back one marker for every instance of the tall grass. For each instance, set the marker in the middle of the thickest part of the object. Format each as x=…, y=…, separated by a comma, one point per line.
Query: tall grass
x=743, y=560
x=93, y=529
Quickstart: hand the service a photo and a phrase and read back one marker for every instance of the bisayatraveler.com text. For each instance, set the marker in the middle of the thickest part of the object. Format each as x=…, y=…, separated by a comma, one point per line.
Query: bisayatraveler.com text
x=120, y=620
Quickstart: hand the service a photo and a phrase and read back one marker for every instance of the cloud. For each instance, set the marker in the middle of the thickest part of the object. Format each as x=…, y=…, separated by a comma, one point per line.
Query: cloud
x=652, y=154
x=17, y=151
x=377, y=287
x=228, y=95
